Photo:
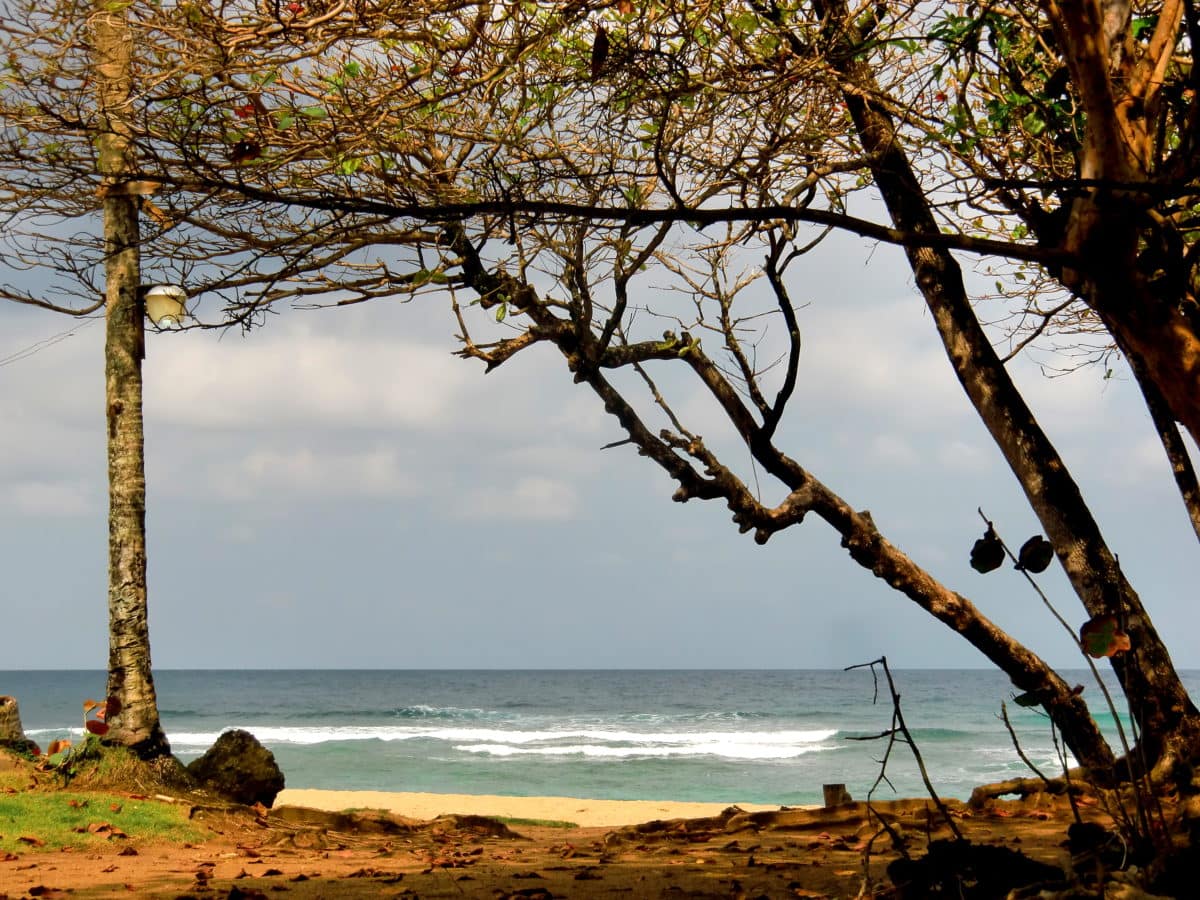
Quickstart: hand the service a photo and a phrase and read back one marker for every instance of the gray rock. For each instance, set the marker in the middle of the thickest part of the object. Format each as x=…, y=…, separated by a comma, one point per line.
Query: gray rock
x=237, y=766
x=11, y=734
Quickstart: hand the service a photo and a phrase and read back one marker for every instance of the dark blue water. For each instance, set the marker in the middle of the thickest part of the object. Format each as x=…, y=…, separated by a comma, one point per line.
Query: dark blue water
x=751, y=736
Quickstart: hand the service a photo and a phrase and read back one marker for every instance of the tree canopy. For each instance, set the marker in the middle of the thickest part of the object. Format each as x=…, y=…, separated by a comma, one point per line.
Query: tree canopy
x=639, y=185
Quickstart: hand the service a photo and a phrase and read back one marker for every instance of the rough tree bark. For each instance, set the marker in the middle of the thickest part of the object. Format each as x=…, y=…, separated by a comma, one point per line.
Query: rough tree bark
x=134, y=723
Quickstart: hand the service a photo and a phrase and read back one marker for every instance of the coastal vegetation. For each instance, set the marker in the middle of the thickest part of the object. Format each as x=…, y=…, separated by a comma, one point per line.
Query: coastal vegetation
x=639, y=185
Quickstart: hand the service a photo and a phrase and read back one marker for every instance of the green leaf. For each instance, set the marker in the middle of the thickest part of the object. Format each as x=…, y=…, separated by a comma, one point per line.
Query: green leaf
x=1028, y=700
x=314, y=112
x=429, y=276
x=1034, y=123
x=501, y=312
x=1142, y=25
x=745, y=22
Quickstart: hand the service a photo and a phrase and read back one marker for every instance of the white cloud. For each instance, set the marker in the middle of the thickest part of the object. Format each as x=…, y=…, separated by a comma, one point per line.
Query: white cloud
x=49, y=498
x=294, y=377
x=306, y=472
x=530, y=498
x=880, y=357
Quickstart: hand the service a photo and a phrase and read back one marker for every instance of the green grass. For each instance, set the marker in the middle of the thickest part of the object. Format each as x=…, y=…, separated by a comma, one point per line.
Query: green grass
x=536, y=823
x=51, y=817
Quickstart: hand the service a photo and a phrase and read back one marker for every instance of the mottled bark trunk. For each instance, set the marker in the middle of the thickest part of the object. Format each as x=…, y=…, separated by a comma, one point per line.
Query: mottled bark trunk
x=134, y=723
x=1158, y=699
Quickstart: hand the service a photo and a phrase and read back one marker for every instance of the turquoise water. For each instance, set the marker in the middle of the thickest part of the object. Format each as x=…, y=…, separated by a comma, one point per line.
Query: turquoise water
x=751, y=736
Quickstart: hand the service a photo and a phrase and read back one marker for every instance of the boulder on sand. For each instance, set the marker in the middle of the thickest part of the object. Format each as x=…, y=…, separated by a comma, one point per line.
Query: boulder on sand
x=237, y=766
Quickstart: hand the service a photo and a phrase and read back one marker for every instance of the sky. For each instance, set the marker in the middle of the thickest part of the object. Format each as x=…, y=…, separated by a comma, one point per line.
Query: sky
x=337, y=490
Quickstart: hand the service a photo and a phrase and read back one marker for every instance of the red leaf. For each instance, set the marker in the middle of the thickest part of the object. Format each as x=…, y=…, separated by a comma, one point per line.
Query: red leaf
x=112, y=706
x=1102, y=636
x=58, y=747
x=97, y=728
x=89, y=705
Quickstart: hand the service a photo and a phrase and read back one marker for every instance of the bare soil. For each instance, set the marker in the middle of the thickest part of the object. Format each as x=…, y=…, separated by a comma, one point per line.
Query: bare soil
x=291, y=852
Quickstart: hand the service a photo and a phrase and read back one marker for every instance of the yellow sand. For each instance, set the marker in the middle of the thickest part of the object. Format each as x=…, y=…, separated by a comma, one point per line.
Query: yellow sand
x=586, y=813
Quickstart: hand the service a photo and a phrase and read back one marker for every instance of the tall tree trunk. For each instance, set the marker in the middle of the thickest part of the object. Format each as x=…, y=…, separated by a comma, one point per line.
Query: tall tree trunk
x=1169, y=722
x=133, y=720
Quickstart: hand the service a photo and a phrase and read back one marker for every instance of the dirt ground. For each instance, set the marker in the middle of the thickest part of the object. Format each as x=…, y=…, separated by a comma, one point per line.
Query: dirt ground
x=297, y=853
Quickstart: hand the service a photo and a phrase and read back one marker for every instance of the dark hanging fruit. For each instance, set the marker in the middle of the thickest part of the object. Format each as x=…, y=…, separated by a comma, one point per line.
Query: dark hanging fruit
x=988, y=552
x=1036, y=555
x=599, y=51
x=245, y=151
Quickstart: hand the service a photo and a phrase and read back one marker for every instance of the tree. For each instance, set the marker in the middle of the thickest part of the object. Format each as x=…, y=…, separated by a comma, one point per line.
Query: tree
x=561, y=166
x=132, y=710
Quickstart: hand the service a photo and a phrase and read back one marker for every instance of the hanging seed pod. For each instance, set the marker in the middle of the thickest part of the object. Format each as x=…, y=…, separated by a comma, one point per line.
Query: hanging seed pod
x=1036, y=555
x=988, y=552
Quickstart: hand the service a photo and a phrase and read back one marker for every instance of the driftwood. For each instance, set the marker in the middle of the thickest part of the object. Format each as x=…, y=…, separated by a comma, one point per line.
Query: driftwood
x=1023, y=787
x=11, y=733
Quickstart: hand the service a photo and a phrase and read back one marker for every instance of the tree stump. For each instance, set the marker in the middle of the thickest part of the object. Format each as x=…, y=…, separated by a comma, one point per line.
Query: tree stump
x=10, y=722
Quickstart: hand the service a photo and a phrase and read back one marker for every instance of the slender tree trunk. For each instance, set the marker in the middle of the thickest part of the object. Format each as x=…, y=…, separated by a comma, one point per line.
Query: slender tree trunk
x=133, y=720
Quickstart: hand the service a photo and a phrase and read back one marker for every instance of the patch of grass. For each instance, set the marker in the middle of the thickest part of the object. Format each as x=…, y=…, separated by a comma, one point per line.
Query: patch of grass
x=536, y=823
x=61, y=819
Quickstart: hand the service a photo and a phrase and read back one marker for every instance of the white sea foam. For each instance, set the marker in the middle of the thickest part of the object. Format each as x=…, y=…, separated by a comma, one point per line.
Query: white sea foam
x=563, y=742
x=725, y=749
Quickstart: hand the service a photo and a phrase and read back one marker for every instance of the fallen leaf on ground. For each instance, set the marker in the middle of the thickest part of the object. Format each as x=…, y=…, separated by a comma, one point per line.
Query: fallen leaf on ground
x=31, y=840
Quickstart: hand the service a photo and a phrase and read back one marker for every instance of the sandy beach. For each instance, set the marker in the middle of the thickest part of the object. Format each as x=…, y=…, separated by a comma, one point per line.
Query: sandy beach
x=584, y=813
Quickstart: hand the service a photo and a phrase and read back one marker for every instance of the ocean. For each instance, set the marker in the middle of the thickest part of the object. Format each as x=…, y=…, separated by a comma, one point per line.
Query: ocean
x=771, y=737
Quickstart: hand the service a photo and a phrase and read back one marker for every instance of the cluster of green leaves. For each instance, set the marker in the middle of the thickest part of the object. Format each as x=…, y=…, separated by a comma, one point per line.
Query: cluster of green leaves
x=1010, y=91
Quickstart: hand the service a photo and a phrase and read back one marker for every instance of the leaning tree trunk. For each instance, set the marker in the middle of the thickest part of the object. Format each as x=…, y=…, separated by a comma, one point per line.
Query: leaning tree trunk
x=1170, y=723
x=133, y=717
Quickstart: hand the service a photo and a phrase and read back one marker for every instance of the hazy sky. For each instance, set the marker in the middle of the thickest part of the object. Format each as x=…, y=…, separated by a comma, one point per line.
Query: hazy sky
x=337, y=490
